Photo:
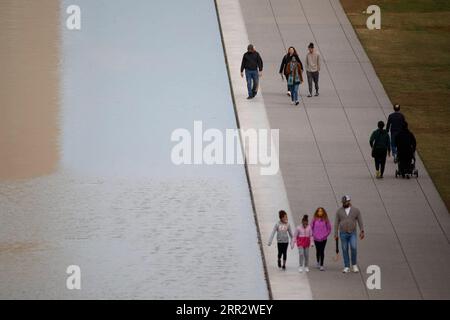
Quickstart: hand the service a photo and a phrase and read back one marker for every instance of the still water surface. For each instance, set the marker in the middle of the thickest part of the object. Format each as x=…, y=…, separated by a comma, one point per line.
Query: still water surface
x=138, y=226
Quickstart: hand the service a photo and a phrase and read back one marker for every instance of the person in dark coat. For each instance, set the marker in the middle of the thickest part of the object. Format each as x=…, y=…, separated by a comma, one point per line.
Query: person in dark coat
x=394, y=125
x=294, y=79
x=381, y=147
x=405, y=141
x=252, y=64
x=292, y=53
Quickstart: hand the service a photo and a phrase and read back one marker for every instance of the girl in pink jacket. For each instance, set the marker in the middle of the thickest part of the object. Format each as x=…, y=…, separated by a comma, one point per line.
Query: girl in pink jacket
x=321, y=229
x=302, y=237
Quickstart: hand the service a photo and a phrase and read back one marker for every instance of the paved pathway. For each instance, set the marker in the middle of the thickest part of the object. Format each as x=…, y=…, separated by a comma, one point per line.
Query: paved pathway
x=324, y=153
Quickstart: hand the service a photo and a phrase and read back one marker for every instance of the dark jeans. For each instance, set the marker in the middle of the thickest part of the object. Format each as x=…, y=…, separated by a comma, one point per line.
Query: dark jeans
x=282, y=250
x=320, y=251
x=313, y=76
x=252, y=77
x=380, y=159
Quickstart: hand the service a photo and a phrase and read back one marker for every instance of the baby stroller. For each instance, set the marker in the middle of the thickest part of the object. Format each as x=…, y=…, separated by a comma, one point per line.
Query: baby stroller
x=407, y=169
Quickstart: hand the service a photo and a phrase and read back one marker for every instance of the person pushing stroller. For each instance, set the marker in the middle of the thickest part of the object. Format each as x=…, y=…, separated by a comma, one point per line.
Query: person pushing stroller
x=405, y=142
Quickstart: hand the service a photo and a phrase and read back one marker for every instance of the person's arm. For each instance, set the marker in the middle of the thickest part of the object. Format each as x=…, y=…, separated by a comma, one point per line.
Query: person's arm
x=318, y=62
x=372, y=139
x=389, y=123
x=388, y=144
x=328, y=228
x=361, y=225
x=311, y=237
x=300, y=74
x=294, y=238
x=299, y=61
x=336, y=224
x=283, y=64
x=243, y=63
x=273, y=233
x=260, y=63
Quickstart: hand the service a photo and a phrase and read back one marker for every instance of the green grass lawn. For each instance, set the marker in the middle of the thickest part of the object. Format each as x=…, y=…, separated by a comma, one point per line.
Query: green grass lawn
x=411, y=55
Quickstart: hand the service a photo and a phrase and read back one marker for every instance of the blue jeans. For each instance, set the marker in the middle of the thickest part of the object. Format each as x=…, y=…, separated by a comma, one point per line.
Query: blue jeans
x=346, y=239
x=393, y=146
x=293, y=88
x=252, y=77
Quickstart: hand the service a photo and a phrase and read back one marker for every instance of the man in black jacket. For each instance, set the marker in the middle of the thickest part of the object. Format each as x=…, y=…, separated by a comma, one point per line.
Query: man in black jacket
x=253, y=66
x=395, y=125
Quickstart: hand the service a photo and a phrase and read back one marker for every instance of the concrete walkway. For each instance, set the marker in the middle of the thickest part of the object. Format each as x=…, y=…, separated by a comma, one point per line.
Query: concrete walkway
x=324, y=153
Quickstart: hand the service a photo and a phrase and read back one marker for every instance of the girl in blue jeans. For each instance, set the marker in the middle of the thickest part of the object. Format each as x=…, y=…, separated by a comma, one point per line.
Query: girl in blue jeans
x=294, y=78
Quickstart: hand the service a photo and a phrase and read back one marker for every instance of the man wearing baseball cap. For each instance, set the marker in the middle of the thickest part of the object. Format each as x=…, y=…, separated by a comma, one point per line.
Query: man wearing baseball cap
x=345, y=226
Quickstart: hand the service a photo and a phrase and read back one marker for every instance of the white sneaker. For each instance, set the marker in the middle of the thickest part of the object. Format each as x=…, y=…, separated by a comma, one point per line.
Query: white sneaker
x=306, y=269
x=322, y=268
x=355, y=269
x=300, y=269
x=346, y=270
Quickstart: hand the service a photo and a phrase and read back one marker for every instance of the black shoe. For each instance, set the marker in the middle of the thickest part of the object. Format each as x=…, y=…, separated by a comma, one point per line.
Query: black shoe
x=296, y=103
x=255, y=93
x=249, y=97
x=317, y=94
x=283, y=267
x=279, y=263
x=309, y=95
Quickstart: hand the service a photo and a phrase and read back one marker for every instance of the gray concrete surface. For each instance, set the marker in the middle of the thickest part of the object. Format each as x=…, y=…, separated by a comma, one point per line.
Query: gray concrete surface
x=268, y=191
x=324, y=153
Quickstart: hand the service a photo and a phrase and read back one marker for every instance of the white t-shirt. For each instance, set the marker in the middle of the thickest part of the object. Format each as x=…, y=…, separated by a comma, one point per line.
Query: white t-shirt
x=347, y=211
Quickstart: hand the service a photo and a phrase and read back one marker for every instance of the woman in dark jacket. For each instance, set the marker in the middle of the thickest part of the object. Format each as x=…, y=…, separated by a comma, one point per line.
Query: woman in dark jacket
x=294, y=79
x=285, y=62
x=406, y=147
x=381, y=147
